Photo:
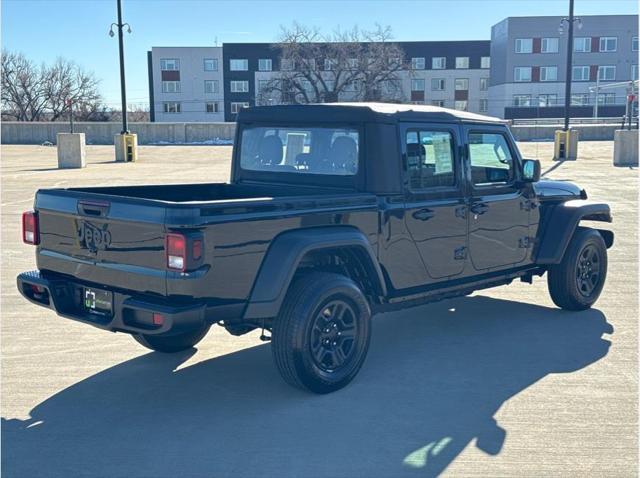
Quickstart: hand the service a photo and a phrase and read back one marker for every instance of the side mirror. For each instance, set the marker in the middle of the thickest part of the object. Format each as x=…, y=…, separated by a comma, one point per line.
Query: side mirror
x=530, y=170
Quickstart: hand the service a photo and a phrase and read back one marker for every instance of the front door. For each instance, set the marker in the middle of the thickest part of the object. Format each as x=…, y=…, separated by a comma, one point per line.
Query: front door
x=435, y=212
x=498, y=211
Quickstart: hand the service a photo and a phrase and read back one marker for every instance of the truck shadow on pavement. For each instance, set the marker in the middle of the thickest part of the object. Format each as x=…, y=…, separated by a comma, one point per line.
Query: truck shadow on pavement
x=434, y=379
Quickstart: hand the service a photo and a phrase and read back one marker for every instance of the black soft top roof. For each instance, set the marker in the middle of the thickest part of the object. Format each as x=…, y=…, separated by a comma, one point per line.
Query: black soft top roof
x=360, y=112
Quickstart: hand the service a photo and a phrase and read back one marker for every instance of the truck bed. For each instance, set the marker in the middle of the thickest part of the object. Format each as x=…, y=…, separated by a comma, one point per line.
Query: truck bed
x=189, y=193
x=115, y=236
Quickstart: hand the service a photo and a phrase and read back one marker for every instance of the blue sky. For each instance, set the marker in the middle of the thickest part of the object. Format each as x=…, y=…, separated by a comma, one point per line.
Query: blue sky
x=77, y=29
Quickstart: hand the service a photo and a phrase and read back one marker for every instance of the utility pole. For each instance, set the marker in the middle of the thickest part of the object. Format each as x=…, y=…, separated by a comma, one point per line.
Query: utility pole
x=567, y=84
x=123, y=88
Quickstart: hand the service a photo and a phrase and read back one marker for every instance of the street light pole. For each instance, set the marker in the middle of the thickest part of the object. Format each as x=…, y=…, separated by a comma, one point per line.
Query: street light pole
x=567, y=84
x=123, y=88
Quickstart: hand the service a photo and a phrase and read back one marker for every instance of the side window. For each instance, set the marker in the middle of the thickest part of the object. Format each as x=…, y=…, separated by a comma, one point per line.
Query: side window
x=430, y=159
x=490, y=158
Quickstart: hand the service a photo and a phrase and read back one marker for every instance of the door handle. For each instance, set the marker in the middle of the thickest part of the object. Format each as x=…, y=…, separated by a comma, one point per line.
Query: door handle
x=479, y=208
x=424, y=214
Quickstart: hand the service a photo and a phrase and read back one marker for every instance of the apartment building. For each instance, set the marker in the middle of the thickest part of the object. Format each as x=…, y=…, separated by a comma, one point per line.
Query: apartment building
x=186, y=84
x=519, y=73
x=528, y=65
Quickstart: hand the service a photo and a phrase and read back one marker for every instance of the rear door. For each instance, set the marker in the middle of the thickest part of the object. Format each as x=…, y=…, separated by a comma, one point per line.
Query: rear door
x=498, y=212
x=434, y=198
x=108, y=240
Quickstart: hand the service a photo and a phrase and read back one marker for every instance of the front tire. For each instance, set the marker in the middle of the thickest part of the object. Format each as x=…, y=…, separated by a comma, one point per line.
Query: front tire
x=173, y=343
x=321, y=337
x=576, y=283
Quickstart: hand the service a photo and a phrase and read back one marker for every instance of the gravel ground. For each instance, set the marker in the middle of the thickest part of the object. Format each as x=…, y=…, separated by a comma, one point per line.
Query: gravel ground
x=501, y=383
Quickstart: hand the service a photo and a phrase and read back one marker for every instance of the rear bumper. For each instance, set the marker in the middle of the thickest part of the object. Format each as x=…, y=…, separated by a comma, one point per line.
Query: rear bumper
x=130, y=313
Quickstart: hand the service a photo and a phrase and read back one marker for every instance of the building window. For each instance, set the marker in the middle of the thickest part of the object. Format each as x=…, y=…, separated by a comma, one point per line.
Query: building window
x=634, y=44
x=439, y=103
x=607, y=99
x=239, y=65
x=521, y=100
x=461, y=105
x=310, y=64
x=171, y=87
x=545, y=100
x=438, y=84
x=351, y=87
x=634, y=72
x=171, y=107
x=484, y=105
x=606, y=73
x=548, y=73
x=439, y=63
x=265, y=64
x=211, y=86
x=237, y=106
x=417, y=84
x=582, y=44
x=418, y=64
x=210, y=64
x=211, y=107
x=549, y=45
x=522, y=73
x=485, y=62
x=169, y=64
x=484, y=84
x=239, y=87
x=352, y=63
x=286, y=64
x=524, y=45
x=580, y=73
x=329, y=64
x=462, y=62
x=608, y=44
x=306, y=85
x=462, y=84
x=580, y=99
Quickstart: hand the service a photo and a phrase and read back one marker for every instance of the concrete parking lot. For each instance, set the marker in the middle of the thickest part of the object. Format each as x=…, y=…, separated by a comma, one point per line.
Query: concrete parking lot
x=501, y=383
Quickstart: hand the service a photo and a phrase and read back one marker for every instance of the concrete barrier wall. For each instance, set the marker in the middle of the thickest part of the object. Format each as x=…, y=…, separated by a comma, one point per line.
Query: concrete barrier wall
x=223, y=133
x=103, y=133
x=547, y=132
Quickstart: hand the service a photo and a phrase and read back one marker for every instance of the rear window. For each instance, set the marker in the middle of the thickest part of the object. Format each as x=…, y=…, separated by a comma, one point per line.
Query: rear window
x=309, y=150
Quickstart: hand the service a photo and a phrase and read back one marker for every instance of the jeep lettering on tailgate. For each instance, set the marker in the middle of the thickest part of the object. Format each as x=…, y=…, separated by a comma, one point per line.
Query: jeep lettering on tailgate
x=93, y=237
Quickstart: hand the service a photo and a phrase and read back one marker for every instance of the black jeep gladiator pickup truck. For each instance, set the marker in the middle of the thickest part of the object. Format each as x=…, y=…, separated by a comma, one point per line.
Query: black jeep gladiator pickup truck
x=333, y=213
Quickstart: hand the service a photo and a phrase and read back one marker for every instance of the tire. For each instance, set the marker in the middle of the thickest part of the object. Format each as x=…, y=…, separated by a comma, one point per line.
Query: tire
x=172, y=343
x=576, y=283
x=321, y=337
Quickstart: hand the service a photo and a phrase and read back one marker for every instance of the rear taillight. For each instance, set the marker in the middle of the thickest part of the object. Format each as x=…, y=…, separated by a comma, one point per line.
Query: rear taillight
x=30, y=232
x=176, y=251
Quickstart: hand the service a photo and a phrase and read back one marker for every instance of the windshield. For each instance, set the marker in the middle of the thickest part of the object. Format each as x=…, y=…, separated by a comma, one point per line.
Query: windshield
x=307, y=150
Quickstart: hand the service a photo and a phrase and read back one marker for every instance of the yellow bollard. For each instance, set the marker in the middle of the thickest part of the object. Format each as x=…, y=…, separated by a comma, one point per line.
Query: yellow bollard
x=126, y=147
x=566, y=145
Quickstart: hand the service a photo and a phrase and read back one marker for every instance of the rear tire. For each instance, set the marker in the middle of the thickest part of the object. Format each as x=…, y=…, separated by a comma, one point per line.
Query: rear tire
x=321, y=337
x=576, y=283
x=172, y=343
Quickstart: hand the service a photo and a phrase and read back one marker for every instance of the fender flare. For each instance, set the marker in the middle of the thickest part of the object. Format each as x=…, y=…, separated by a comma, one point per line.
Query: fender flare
x=562, y=224
x=284, y=255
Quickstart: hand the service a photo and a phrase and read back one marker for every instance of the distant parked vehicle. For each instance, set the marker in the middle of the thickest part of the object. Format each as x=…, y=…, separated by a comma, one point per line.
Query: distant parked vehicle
x=334, y=212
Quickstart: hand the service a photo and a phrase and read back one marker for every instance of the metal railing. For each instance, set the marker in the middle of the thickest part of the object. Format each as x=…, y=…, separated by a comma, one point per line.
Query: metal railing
x=574, y=121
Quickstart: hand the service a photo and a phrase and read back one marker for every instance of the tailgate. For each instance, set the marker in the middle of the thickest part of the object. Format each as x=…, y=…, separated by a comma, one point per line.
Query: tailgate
x=109, y=240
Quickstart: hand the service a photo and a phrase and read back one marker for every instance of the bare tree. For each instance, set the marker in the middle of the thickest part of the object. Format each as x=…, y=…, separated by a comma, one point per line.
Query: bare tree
x=358, y=65
x=23, y=92
x=32, y=93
